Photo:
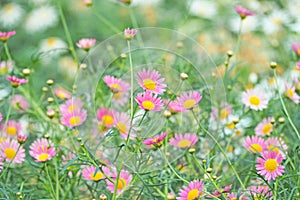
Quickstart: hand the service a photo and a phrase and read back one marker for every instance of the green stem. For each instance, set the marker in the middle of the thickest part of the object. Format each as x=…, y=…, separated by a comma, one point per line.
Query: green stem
x=284, y=107
x=237, y=49
x=7, y=51
x=107, y=23
x=57, y=180
x=143, y=117
x=50, y=182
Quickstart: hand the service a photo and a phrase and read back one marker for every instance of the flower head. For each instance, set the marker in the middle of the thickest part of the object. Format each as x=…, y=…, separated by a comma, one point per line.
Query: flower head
x=260, y=191
x=124, y=180
x=265, y=127
x=277, y=145
x=11, y=151
x=156, y=141
x=188, y=100
x=291, y=93
x=122, y=124
x=92, y=173
x=269, y=165
x=74, y=118
x=149, y=101
x=16, y=82
x=129, y=33
x=243, y=12
x=11, y=14
x=86, y=43
x=4, y=36
x=254, y=99
x=21, y=138
x=70, y=105
x=233, y=196
x=184, y=141
x=11, y=129
x=5, y=67
x=106, y=117
x=194, y=190
x=255, y=144
x=42, y=150
x=62, y=93
x=151, y=81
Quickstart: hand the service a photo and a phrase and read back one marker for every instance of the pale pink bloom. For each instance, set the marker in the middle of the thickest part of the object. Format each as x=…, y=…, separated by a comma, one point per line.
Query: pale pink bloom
x=11, y=129
x=151, y=81
x=221, y=113
x=70, y=105
x=243, y=12
x=188, y=100
x=15, y=82
x=174, y=106
x=291, y=93
x=217, y=193
x=11, y=151
x=74, y=118
x=269, y=165
x=123, y=182
x=184, y=141
x=42, y=150
x=149, y=101
x=233, y=196
x=5, y=67
x=255, y=144
x=277, y=145
x=86, y=43
x=122, y=124
x=92, y=173
x=194, y=190
x=156, y=141
x=265, y=127
x=129, y=33
x=254, y=99
x=106, y=117
x=4, y=36
x=62, y=93
x=20, y=103
x=21, y=138
x=296, y=48
x=260, y=191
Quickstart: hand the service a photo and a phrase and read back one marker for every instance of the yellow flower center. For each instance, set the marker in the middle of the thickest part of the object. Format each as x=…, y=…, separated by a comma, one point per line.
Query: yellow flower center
x=51, y=41
x=107, y=120
x=254, y=100
x=149, y=84
x=238, y=132
x=193, y=194
x=97, y=176
x=75, y=120
x=72, y=107
x=273, y=148
x=224, y=114
x=148, y=105
x=43, y=157
x=8, y=8
x=290, y=93
x=189, y=103
x=115, y=87
x=271, y=165
x=230, y=126
x=298, y=52
x=267, y=129
x=122, y=127
x=271, y=81
x=10, y=153
x=184, y=143
x=117, y=95
x=11, y=130
x=121, y=183
x=255, y=148
x=61, y=95
x=277, y=21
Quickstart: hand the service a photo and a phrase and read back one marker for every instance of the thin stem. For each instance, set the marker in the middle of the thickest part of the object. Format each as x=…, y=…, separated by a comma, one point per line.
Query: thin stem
x=57, y=180
x=50, y=182
x=107, y=23
x=143, y=117
x=7, y=51
x=238, y=44
x=284, y=107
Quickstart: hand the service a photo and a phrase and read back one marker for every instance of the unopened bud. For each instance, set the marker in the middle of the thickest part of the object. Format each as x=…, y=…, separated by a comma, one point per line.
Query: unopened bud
x=209, y=170
x=26, y=72
x=281, y=120
x=50, y=82
x=47, y=136
x=192, y=150
x=184, y=76
x=273, y=65
x=103, y=197
x=123, y=55
x=45, y=89
x=167, y=113
x=50, y=99
x=229, y=53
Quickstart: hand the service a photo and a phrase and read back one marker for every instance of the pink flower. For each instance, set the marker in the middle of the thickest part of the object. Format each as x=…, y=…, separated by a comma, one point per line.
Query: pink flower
x=194, y=190
x=122, y=124
x=62, y=93
x=86, y=43
x=4, y=36
x=11, y=129
x=296, y=48
x=255, y=144
x=74, y=118
x=20, y=103
x=291, y=94
x=269, y=165
x=233, y=196
x=174, y=106
x=260, y=191
x=254, y=99
x=151, y=81
x=11, y=151
x=217, y=193
x=16, y=82
x=91, y=173
x=70, y=105
x=243, y=12
x=298, y=65
x=156, y=141
x=277, y=145
x=5, y=67
x=42, y=150
x=264, y=128
x=88, y=2
x=129, y=33
x=0, y=117
x=1, y=164
x=188, y=101
x=123, y=182
x=106, y=116
x=221, y=113
x=149, y=101
x=184, y=141
x=21, y=138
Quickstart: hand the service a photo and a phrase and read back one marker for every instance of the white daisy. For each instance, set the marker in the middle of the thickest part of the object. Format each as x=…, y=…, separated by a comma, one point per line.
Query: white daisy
x=51, y=47
x=11, y=14
x=40, y=19
x=200, y=8
x=274, y=22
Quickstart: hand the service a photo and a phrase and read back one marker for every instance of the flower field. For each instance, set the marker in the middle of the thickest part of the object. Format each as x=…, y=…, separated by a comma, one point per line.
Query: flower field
x=156, y=99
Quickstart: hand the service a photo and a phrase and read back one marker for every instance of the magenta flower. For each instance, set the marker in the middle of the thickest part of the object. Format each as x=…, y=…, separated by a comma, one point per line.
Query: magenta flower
x=188, y=100
x=194, y=190
x=129, y=33
x=269, y=165
x=184, y=141
x=149, y=101
x=151, y=81
x=74, y=118
x=4, y=36
x=106, y=117
x=156, y=141
x=0, y=117
x=11, y=129
x=21, y=138
x=265, y=127
x=5, y=67
x=16, y=82
x=296, y=48
x=174, y=106
x=86, y=43
x=260, y=191
x=217, y=193
x=42, y=150
x=91, y=173
x=123, y=182
x=243, y=12
x=62, y=93
x=298, y=65
x=11, y=151
x=255, y=144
